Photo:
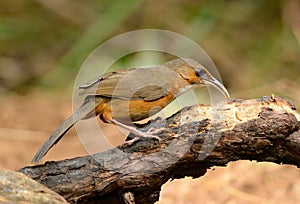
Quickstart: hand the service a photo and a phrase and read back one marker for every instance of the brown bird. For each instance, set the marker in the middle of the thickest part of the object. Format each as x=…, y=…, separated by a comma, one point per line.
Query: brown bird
x=126, y=96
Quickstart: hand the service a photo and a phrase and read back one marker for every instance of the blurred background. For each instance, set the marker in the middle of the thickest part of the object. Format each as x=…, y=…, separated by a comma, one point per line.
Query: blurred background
x=254, y=44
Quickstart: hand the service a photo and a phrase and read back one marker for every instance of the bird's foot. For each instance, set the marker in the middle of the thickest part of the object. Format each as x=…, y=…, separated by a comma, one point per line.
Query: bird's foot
x=155, y=131
x=140, y=134
x=132, y=141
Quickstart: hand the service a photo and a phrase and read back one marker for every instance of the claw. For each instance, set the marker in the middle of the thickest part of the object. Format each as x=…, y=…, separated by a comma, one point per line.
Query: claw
x=155, y=131
x=140, y=135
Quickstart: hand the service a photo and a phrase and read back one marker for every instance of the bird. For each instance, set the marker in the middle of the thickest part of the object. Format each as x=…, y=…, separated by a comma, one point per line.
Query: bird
x=126, y=96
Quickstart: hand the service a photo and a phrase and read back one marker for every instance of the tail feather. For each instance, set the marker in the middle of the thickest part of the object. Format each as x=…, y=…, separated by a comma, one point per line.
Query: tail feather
x=79, y=114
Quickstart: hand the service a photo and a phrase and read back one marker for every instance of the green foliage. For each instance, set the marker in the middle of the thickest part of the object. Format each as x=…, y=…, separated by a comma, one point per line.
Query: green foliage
x=253, y=43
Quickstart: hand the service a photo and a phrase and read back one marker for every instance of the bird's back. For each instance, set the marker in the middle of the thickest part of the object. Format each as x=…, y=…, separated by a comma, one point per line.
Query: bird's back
x=147, y=84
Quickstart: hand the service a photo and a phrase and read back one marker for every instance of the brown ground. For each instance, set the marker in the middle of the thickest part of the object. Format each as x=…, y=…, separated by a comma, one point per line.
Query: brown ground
x=26, y=121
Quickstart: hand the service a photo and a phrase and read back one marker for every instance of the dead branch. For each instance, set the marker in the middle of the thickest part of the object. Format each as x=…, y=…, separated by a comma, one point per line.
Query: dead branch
x=264, y=129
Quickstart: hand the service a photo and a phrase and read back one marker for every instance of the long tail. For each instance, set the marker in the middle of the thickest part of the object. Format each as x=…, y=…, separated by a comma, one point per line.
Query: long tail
x=79, y=114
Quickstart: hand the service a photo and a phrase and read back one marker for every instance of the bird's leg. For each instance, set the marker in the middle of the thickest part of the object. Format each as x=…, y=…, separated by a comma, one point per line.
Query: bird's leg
x=134, y=130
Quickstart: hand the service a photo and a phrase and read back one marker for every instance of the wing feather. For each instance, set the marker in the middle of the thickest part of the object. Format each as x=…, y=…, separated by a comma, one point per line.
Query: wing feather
x=142, y=83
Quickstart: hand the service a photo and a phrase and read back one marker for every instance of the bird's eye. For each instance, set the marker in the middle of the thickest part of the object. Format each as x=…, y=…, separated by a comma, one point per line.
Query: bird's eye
x=200, y=73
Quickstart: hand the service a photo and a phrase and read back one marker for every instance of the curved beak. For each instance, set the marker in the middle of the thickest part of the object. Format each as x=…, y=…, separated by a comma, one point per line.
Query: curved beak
x=218, y=85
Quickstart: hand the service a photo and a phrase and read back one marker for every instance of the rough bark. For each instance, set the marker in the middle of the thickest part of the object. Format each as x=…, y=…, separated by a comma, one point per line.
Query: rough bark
x=194, y=140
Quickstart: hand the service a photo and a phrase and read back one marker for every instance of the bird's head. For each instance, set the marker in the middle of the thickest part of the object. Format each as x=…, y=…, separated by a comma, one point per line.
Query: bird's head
x=194, y=73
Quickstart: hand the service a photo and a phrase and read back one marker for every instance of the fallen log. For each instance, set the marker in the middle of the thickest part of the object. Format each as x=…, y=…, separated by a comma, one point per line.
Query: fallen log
x=193, y=140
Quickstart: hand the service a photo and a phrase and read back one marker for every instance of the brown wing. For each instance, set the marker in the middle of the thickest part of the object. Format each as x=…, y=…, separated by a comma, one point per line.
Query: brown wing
x=143, y=83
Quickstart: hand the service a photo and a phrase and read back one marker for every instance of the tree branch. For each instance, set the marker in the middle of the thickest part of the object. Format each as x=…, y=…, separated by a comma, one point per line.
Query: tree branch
x=194, y=140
